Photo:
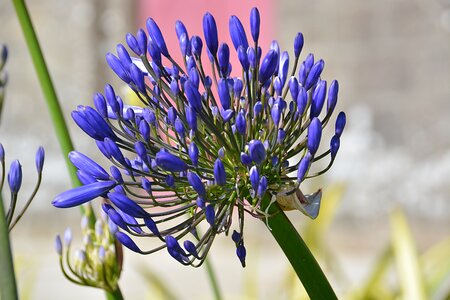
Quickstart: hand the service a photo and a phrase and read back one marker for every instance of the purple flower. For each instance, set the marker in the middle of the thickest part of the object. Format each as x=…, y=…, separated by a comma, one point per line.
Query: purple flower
x=170, y=162
x=83, y=194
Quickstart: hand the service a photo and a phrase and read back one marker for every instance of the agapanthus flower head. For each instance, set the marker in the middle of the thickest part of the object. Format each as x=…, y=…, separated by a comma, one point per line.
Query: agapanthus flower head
x=205, y=144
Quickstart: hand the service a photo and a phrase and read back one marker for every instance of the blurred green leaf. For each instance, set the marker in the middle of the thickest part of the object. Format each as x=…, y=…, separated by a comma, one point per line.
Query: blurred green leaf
x=436, y=267
x=406, y=259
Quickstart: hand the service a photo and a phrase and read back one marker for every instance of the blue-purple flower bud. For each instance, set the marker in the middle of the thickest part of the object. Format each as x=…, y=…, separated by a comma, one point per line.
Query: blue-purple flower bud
x=191, y=118
x=124, y=57
x=237, y=33
x=243, y=58
x=219, y=172
x=170, y=162
x=332, y=96
x=257, y=151
x=268, y=66
x=246, y=159
x=127, y=205
x=170, y=181
x=100, y=105
x=138, y=78
x=156, y=36
x=275, y=113
x=2, y=153
x=141, y=37
x=180, y=29
x=224, y=94
x=193, y=153
x=210, y=214
x=303, y=167
x=88, y=166
x=115, y=152
x=175, y=249
x=241, y=124
x=314, y=74
x=254, y=177
x=185, y=45
x=277, y=85
x=257, y=108
x=293, y=87
x=237, y=87
x=223, y=57
x=179, y=127
x=227, y=114
x=255, y=23
x=334, y=146
x=298, y=44
x=284, y=67
x=241, y=253
x=83, y=194
x=196, y=45
x=302, y=100
x=15, y=177
x=58, y=245
x=262, y=187
x=116, y=65
x=111, y=98
x=281, y=135
x=236, y=237
x=196, y=183
x=193, y=96
x=133, y=44
x=340, y=123
x=210, y=32
x=155, y=54
x=172, y=115
x=314, y=135
x=318, y=98
x=309, y=62
x=190, y=248
x=40, y=155
x=251, y=57
x=152, y=226
x=127, y=242
x=115, y=173
x=194, y=77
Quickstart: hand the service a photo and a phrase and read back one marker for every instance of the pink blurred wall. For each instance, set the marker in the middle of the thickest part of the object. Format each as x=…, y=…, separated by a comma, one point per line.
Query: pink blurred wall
x=165, y=13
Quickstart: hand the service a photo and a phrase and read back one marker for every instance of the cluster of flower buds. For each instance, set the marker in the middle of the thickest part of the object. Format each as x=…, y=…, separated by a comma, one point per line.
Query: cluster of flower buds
x=15, y=182
x=99, y=262
x=203, y=147
x=3, y=75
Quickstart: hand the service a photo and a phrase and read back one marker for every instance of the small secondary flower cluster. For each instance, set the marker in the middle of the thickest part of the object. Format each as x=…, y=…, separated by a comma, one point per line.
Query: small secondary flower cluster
x=98, y=263
x=15, y=183
x=202, y=146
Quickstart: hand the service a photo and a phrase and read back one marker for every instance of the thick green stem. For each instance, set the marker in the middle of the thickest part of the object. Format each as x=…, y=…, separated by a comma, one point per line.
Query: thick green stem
x=298, y=254
x=213, y=280
x=8, y=288
x=115, y=295
x=47, y=87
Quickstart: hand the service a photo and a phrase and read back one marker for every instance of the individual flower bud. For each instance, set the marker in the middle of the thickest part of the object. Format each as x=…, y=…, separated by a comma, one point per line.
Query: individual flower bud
x=87, y=165
x=155, y=54
x=118, y=68
x=303, y=167
x=124, y=57
x=196, y=183
x=2, y=153
x=68, y=237
x=314, y=135
x=223, y=57
x=241, y=124
x=156, y=36
x=138, y=78
x=257, y=109
x=194, y=77
x=180, y=29
x=210, y=214
x=281, y=135
x=237, y=33
x=298, y=44
x=236, y=236
x=179, y=127
x=294, y=87
x=314, y=74
x=275, y=113
x=58, y=245
x=193, y=96
x=127, y=205
x=340, y=123
x=254, y=23
x=242, y=56
x=83, y=194
x=268, y=66
x=210, y=32
x=262, y=187
x=246, y=159
x=115, y=173
x=40, y=155
x=318, y=98
x=302, y=100
x=284, y=68
x=334, y=146
x=219, y=173
x=332, y=96
x=221, y=152
x=170, y=181
x=196, y=45
x=127, y=242
x=254, y=177
x=15, y=177
x=257, y=151
x=170, y=162
x=191, y=249
x=241, y=253
x=191, y=118
x=251, y=57
x=224, y=94
x=185, y=45
x=193, y=153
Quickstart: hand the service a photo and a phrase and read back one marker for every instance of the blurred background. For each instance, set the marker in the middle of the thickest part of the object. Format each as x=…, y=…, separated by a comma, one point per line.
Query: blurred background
x=392, y=61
